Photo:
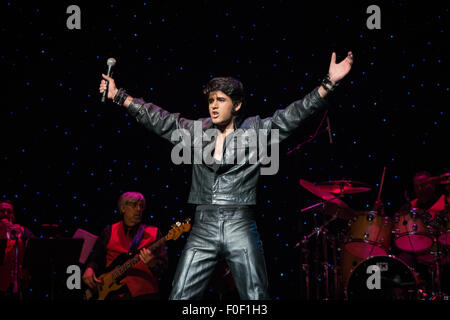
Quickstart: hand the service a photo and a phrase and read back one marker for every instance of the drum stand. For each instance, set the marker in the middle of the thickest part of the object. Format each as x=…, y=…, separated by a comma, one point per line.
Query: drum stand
x=305, y=266
x=435, y=274
x=335, y=269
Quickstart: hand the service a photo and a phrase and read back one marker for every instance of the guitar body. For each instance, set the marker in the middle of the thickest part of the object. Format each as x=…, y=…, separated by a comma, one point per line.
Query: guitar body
x=109, y=283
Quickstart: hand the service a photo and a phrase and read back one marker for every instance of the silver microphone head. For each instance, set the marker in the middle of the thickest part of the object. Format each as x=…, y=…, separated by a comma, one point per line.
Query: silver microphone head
x=111, y=62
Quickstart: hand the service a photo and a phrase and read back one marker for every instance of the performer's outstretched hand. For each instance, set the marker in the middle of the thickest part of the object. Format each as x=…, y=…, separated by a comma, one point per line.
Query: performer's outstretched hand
x=112, y=89
x=340, y=70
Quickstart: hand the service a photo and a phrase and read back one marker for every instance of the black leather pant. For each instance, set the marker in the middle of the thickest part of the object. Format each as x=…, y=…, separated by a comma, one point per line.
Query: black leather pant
x=230, y=233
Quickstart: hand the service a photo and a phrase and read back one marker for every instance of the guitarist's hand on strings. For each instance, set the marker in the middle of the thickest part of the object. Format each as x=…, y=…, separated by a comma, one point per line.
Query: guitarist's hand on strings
x=146, y=255
x=90, y=279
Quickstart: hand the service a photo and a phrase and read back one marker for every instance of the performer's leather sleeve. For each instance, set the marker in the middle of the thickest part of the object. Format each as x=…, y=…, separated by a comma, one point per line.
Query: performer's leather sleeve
x=290, y=118
x=158, y=120
x=286, y=120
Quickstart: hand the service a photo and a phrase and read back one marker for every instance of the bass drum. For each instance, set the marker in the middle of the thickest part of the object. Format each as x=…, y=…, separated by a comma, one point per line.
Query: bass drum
x=382, y=278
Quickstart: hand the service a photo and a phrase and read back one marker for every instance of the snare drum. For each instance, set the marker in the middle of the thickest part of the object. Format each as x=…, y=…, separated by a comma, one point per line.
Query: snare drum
x=383, y=278
x=369, y=235
x=411, y=233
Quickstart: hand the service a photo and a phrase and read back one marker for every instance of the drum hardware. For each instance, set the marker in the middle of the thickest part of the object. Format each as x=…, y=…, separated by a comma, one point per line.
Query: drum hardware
x=435, y=258
x=305, y=266
x=412, y=231
x=369, y=235
x=444, y=234
x=333, y=207
x=306, y=270
x=435, y=271
x=322, y=275
x=335, y=268
x=325, y=263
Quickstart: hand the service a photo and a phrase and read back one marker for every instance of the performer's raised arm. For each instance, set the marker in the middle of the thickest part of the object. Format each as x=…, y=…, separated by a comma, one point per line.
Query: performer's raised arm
x=288, y=119
x=154, y=118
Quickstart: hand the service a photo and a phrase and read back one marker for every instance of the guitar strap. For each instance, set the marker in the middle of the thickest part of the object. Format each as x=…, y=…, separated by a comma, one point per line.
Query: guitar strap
x=136, y=240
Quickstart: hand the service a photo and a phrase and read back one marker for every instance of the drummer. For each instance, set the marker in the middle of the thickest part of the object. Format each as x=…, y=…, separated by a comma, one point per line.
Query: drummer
x=427, y=199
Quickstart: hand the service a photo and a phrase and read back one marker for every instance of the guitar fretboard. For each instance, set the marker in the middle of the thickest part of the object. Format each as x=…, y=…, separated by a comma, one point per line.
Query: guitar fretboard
x=120, y=270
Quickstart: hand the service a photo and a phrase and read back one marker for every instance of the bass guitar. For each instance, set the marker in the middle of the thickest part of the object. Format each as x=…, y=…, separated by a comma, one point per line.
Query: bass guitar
x=116, y=271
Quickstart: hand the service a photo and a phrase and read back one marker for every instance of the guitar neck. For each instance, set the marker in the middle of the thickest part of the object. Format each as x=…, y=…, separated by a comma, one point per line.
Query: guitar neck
x=119, y=271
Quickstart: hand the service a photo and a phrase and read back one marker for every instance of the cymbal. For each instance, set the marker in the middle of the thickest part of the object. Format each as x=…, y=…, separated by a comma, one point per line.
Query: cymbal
x=311, y=187
x=442, y=179
x=332, y=205
x=343, y=186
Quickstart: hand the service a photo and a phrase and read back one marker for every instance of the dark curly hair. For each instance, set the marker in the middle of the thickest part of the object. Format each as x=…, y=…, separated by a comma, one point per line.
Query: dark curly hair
x=228, y=85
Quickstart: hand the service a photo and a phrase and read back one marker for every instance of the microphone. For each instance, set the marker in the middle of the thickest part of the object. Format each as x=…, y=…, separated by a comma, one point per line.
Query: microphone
x=329, y=130
x=111, y=62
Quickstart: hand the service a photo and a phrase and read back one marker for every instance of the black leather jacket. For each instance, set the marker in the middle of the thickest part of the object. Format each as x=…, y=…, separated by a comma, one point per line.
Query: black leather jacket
x=231, y=182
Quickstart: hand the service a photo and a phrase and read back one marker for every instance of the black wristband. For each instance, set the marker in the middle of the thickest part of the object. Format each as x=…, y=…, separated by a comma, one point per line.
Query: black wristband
x=120, y=97
x=327, y=81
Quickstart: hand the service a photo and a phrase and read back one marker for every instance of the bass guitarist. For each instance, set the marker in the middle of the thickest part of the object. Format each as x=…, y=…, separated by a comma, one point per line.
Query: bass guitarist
x=129, y=236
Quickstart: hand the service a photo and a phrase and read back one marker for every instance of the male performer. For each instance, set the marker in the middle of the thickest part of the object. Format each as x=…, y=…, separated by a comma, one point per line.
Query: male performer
x=129, y=235
x=223, y=190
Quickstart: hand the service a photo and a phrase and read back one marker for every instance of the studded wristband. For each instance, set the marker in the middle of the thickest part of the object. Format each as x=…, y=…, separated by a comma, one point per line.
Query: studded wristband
x=327, y=81
x=120, y=97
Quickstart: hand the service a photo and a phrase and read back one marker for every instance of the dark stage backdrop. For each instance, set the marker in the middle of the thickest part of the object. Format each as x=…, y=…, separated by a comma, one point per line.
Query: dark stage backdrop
x=65, y=158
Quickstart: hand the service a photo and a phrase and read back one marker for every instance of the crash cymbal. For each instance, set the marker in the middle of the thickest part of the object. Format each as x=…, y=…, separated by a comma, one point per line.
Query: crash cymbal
x=442, y=179
x=311, y=187
x=332, y=206
x=343, y=186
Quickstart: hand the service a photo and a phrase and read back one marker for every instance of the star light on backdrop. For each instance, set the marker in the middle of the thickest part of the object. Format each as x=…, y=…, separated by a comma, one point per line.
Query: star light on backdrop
x=65, y=157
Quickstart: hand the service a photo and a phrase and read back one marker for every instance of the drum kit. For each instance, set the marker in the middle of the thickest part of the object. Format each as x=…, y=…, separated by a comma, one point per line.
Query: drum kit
x=362, y=251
